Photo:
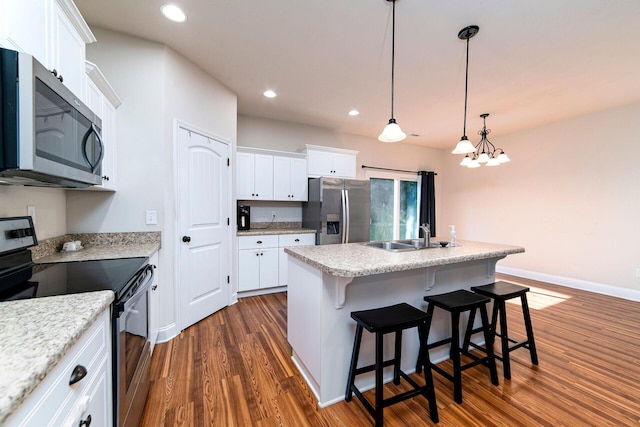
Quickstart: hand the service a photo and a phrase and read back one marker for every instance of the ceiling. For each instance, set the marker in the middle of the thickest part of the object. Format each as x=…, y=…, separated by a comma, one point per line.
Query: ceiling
x=532, y=62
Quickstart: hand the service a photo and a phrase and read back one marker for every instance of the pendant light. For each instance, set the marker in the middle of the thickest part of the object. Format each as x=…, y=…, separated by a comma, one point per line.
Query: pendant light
x=392, y=132
x=464, y=146
x=488, y=152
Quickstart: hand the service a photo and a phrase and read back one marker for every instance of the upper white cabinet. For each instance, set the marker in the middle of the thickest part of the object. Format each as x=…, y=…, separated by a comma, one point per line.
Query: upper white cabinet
x=51, y=30
x=329, y=161
x=254, y=175
x=290, y=179
x=103, y=100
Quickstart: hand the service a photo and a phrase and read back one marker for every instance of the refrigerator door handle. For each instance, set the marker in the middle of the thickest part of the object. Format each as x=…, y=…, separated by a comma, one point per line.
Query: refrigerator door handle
x=348, y=217
x=344, y=216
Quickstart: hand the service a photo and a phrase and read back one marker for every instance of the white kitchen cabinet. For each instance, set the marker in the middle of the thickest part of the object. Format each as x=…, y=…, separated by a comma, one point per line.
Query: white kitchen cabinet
x=103, y=101
x=54, y=32
x=290, y=179
x=55, y=402
x=154, y=303
x=286, y=241
x=329, y=161
x=257, y=262
x=254, y=176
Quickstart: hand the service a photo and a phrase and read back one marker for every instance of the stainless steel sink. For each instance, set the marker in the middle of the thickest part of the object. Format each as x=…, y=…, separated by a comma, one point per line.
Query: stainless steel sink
x=401, y=245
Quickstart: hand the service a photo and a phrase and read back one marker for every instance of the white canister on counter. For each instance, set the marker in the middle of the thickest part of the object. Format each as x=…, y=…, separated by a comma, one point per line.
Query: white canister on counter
x=452, y=236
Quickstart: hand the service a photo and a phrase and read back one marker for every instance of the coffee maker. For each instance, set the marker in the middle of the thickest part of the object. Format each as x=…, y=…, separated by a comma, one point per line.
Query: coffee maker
x=244, y=216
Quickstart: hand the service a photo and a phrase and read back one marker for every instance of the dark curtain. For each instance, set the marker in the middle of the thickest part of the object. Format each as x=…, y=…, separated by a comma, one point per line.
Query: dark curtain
x=427, y=201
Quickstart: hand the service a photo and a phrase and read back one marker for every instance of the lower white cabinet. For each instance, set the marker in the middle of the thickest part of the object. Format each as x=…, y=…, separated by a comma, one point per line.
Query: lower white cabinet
x=153, y=304
x=288, y=240
x=57, y=403
x=262, y=262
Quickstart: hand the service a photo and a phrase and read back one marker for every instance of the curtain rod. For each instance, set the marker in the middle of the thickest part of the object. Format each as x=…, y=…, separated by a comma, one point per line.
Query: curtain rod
x=386, y=169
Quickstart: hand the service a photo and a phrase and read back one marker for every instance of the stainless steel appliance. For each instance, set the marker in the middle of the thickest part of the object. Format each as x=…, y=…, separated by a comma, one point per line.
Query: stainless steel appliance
x=244, y=217
x=128, y=278
x=48, y=137
x=338, y=209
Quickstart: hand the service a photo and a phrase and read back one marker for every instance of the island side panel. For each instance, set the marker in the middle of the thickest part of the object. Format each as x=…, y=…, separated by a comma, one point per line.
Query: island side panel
x=304, y=319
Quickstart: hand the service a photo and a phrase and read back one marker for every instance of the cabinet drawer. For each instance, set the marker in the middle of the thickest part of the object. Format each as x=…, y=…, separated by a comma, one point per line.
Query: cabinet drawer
x=53, y=394
x=261, y=241
x=306, y=239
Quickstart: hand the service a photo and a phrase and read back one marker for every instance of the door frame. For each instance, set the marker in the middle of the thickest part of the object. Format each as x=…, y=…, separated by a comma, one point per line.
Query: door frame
x=176, y=234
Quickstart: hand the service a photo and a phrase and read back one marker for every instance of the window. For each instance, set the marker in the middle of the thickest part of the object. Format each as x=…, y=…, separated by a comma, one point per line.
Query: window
x=395, y=201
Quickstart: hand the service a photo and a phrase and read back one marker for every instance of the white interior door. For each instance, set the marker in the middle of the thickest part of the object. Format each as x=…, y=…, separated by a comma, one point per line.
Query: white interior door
x=204, y=233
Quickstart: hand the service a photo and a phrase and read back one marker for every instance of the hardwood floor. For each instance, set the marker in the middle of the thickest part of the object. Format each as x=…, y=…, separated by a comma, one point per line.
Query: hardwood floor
x=234, y=368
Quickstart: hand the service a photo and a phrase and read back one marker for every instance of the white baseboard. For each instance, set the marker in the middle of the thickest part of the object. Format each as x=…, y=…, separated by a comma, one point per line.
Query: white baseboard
x=167, y=333
x=264, y=291
x=599, y=288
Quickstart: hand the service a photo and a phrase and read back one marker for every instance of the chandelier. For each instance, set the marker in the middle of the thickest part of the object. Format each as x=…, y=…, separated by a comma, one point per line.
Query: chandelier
x=488, y=153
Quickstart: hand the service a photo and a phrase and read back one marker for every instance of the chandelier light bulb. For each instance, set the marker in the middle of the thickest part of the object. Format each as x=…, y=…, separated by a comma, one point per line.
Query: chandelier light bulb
x=465, y=160
x=473, y=164
x=483, y=157
x=493, y=162
x=503, y=158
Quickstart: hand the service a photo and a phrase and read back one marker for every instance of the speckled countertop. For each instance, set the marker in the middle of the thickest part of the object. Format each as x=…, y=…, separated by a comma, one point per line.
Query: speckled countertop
x=356, y=259
x=97, y=252
x=35, y=335
x=269, y=231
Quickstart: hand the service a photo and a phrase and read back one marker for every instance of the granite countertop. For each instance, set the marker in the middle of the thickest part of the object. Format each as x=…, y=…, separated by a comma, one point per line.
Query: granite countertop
x=269, y=231
x=356, y=259
x=97, y=252
x=35, y=335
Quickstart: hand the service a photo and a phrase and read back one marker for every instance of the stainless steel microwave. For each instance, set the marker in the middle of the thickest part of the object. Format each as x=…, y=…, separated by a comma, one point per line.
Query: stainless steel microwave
x=48, y=137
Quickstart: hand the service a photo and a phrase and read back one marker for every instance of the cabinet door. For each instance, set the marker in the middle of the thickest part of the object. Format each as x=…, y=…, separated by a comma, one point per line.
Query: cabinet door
x=23, y=27
x=299, y=186
x=269, y=267
x=67, y=52
x=281, y=178
x=248, y=269
x=244, y=176
x=319, y=163
x=263, y=177
x=283, y=270
x=98, y=410
x=344, y=165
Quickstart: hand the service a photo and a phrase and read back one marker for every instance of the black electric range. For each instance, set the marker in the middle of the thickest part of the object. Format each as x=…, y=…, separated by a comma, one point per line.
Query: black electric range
x=21, y=278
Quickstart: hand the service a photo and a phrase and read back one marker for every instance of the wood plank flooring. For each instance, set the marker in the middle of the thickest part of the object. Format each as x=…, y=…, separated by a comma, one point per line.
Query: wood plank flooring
x=234, y=368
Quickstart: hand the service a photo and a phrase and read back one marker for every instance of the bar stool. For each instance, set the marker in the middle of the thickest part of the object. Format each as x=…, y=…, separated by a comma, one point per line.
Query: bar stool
x=500, y=292
x=382, y=321
x=457, y=302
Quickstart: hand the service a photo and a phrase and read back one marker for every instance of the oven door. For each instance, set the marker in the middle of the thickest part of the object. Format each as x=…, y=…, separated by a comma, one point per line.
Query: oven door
x=132, y=351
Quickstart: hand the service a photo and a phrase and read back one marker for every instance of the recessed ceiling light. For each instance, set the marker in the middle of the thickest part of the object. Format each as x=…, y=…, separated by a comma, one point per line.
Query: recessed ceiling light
x=173, y=12
x=269, y=93
x=354, y=112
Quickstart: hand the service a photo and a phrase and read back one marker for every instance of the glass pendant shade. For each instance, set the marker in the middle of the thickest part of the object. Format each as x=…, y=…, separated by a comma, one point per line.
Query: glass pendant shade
x=392, y=132
x=503, y=158
x=493, y=162
x=483, y=157
x=465, y=161
x=473, y=164
x=464, y=146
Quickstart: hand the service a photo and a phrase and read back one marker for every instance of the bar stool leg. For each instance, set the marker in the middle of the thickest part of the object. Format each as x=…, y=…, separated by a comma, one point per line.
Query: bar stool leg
x=529, y=327
x=469, y=332
x=423, y=347
x=397, y=355
x=430, y=394
x=354, y=361
x=489, y=345
x=379, y=384
x=504, y=339
x=454, y=354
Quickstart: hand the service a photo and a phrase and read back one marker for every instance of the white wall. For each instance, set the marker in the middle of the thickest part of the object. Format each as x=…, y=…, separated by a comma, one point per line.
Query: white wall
x=569, y=197
x=50, y=204
x=156, y=86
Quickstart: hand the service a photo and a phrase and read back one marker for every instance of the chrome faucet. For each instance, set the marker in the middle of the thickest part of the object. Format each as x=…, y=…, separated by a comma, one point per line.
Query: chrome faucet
x=427, y=234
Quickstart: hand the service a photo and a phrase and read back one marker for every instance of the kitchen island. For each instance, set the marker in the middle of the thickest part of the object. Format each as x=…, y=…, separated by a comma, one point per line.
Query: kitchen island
x=326, y=283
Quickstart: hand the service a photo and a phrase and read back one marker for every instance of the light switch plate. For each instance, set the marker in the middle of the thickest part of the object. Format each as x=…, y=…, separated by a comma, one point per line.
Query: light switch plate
x=152, y=217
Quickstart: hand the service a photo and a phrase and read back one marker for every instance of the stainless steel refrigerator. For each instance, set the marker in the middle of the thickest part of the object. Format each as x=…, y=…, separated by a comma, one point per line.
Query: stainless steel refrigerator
x=338, y=209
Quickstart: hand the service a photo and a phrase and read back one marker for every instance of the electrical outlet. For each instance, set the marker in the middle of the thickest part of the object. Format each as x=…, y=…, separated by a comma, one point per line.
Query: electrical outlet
x=151, y=217
x=273, y=214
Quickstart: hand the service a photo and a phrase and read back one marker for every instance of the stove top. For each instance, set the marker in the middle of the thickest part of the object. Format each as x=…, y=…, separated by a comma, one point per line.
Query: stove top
x=43, y=280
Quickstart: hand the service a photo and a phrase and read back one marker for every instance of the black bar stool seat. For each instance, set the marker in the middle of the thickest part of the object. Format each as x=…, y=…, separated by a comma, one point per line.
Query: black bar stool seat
x=500, y=292
x=394, y=318
x=457, y=302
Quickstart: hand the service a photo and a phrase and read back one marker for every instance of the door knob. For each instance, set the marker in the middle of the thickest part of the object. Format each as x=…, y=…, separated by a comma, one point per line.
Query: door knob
x=186, y=239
